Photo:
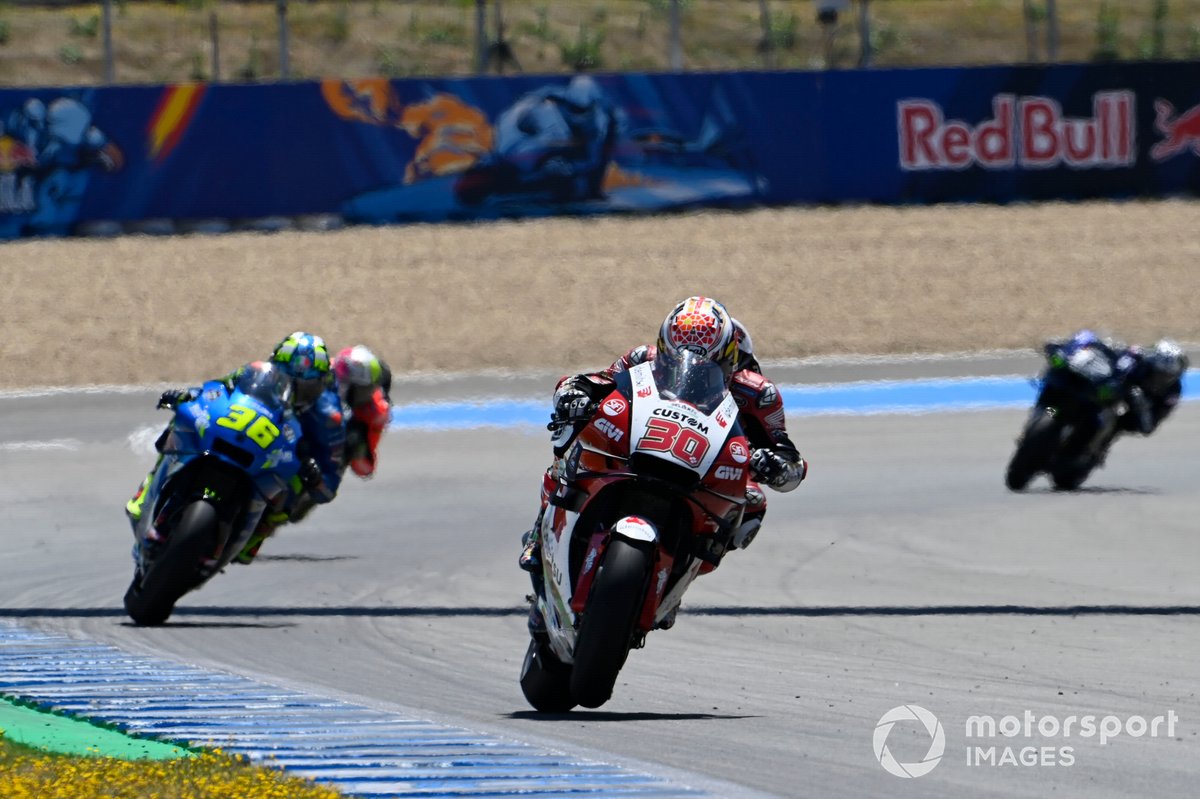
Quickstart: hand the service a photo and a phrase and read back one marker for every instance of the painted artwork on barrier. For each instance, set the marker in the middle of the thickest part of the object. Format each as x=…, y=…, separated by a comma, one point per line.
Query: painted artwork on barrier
x=565, y=146
x=377, y=150
x=48, y=151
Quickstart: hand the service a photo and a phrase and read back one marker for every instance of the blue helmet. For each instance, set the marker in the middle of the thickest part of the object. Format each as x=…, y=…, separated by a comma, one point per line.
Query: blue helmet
x=305, y=358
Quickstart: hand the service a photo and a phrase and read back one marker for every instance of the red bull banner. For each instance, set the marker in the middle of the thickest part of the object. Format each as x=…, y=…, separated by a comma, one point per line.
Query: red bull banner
x=377, y=150
x=1023, y=133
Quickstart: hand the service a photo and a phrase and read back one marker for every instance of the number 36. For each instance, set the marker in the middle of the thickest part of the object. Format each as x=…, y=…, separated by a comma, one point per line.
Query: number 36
x=262, y=432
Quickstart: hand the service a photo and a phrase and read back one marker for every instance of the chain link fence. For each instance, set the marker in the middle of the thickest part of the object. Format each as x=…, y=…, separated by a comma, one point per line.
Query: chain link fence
x=130, y=41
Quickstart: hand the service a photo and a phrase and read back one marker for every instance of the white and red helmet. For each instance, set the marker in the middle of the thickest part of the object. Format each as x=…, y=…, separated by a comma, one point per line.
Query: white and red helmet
x=703, y=326
x=357, y=367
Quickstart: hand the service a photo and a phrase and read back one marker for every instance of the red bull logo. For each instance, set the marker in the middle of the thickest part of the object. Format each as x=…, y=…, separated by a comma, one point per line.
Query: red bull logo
x=1024, y=132
x=1180, y=131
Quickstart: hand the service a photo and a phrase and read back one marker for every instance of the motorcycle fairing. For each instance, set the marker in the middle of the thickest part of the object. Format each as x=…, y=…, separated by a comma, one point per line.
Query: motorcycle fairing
x=638, y=421
x=231, y=448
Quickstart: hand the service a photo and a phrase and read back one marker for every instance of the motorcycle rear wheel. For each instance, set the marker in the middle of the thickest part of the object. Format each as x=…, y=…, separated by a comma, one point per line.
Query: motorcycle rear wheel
x=607, y=629
x=176, y=571
x=1070, y=478
x=545, y=680
x=1034, y=450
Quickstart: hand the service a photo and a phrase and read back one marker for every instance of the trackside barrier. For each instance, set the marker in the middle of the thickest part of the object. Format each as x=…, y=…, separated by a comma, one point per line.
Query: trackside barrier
x=211, y=157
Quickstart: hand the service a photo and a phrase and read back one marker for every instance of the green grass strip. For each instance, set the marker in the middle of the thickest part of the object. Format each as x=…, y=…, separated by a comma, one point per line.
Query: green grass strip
x=55, y=733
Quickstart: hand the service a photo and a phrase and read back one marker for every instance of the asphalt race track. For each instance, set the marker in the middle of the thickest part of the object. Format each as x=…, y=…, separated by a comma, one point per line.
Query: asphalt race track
x=901, y=572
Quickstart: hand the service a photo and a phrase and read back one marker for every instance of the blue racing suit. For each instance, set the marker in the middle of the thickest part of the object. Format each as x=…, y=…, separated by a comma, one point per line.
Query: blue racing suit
x=323, y=438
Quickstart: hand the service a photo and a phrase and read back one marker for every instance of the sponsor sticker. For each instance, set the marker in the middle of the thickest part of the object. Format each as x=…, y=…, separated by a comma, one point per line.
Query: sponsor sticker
x=614, y=406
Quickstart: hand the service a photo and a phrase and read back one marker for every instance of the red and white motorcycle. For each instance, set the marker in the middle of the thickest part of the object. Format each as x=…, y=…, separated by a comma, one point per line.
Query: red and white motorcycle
x=648, y=497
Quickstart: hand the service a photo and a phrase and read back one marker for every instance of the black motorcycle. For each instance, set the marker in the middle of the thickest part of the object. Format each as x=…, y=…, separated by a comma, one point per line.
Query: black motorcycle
x=1073, y=423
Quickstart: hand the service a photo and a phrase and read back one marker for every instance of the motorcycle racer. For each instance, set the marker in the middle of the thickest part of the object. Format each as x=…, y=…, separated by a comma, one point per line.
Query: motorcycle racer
x=1153, y=385
x=702, y=325
x=1148, y=381
x=317, y=406
x=364, y=383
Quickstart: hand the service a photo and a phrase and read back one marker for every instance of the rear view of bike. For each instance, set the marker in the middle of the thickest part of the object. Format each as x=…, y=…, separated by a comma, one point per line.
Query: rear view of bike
x=227, y=456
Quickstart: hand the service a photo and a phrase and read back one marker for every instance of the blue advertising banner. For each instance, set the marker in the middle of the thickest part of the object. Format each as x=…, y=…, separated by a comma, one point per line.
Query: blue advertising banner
x=375, y=150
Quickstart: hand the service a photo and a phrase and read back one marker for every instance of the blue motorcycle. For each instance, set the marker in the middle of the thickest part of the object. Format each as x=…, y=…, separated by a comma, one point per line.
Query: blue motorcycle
x=228, y=455
x=1076, y=417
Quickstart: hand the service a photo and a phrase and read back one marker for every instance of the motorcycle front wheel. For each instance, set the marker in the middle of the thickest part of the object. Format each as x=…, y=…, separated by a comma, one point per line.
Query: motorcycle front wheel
x=606, y=631
x=1034, y=450
x=150, y=600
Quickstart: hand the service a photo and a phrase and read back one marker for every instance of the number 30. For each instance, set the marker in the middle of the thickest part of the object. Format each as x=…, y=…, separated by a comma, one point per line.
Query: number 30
x=663, y=435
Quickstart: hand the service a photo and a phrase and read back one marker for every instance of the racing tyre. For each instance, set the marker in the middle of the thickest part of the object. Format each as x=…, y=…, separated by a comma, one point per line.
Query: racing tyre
x=607, y=628
x=545, y=680
x=1034, y=450
x=177, y=570
x=1070, y=478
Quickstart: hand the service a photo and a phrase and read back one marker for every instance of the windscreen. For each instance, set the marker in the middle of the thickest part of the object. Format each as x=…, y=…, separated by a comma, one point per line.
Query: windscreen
x=265, y=382
x=690, y=378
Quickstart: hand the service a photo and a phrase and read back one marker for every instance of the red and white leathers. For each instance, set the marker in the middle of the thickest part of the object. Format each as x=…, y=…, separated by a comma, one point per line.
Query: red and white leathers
x=760, y=413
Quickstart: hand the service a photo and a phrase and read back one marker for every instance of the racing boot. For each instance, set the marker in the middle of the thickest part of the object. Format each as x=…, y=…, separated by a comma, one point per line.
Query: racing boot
x=531, y=551
x=133, y=508
x=752, y=516
x=266, y=528
x=536, y=622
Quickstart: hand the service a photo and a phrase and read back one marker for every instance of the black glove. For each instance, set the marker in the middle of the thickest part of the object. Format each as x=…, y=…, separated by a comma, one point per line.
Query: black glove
x=571, y=405
x=767, y=467
x=174, y=397
x=310, y=474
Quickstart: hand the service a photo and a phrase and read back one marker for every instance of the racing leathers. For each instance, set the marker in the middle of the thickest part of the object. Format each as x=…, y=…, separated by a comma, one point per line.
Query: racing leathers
x=1152, y=394
x=775, y=460
x=1148, y=384
x=323, y=435
x=370, y=411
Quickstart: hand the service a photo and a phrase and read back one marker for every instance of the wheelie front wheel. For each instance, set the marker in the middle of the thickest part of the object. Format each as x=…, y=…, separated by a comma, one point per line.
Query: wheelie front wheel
x=607, y=628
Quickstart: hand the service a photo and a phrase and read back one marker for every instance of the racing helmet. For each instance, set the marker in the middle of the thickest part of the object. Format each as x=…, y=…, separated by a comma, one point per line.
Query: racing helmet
x=305, y=358
x=1084, y=338
x=358, y=372
x=1165, y=364
x=701, y=325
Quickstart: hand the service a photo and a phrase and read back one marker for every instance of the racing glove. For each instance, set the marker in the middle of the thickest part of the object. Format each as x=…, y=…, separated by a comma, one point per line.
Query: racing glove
x=777, y=471
x=174, y=397
x=571, y=405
